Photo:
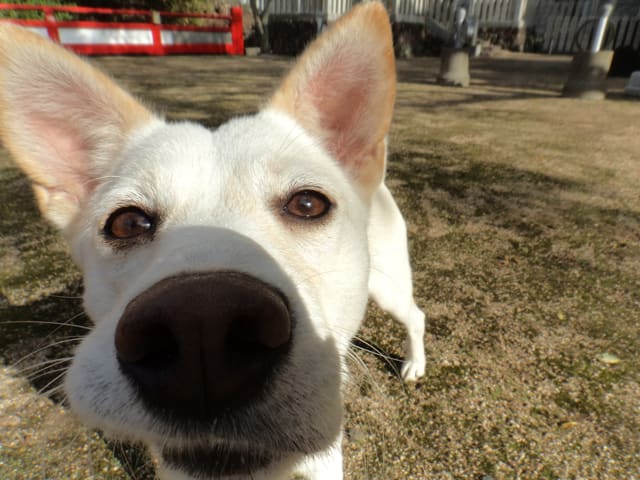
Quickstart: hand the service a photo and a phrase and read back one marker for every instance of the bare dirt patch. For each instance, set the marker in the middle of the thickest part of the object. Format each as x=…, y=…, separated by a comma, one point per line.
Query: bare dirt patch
x=524, y=223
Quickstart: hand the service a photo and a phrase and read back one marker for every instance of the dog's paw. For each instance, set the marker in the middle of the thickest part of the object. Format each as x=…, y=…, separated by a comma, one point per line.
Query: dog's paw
x=412, y=370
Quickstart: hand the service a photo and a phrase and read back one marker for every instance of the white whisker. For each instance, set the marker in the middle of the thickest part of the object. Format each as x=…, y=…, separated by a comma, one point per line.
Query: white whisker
x=46, y=391
x=43, y=366
x=67, y=297
x=64, y=341
x=45, y=373
x=364, y=369
x=57, y=324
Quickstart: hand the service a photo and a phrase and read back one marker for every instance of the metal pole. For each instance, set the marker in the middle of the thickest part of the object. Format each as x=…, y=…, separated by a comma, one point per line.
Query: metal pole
x=460, y=33
x=598, y=38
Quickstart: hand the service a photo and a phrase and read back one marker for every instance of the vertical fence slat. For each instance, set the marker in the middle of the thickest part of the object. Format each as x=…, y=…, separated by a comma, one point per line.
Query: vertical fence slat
x=628, y=33
x=501, y=10
x=574, y=24
x=636, y=34
x=555, y=33
x=633, y=22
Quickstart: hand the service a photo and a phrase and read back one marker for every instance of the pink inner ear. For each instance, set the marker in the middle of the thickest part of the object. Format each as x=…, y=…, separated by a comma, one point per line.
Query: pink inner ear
x=63, y=153
x=340, y=93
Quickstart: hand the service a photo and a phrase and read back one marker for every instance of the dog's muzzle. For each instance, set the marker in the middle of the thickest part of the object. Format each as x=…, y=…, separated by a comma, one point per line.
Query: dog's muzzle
x=198, y=346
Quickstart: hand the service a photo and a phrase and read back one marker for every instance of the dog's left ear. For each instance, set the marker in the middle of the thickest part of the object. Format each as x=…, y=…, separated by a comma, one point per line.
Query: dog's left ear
x=342, y=91
x=63, y=121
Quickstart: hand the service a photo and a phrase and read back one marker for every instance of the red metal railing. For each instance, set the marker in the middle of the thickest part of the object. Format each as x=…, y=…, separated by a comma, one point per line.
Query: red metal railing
x=152, y=37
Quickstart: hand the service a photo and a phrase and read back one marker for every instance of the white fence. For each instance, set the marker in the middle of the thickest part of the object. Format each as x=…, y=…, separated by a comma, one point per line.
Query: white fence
x=556, y=23
x=566, y=26
x=488, y=12
x=569, y=34
x=327, y=10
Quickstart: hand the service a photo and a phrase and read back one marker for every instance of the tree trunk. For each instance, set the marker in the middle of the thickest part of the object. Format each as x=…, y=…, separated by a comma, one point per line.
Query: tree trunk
x=261, y=20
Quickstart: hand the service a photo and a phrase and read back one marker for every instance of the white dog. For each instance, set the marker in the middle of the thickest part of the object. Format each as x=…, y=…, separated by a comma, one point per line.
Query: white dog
x=226, y=271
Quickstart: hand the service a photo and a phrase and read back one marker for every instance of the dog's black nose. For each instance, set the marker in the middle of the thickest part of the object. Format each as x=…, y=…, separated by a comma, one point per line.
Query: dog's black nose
x=197, y=345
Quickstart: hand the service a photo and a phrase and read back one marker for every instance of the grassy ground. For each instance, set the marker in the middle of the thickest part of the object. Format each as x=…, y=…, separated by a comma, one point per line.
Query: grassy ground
x=524, y=223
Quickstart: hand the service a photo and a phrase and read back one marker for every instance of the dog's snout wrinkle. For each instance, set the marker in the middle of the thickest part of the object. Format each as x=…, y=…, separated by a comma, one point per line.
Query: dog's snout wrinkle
x=196, y=346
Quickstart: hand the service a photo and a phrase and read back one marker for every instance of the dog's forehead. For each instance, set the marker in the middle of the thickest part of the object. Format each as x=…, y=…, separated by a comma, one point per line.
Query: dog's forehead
x=258, y=153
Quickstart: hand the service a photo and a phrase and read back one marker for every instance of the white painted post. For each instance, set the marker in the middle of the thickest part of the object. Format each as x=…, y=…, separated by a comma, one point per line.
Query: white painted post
x=598, y=38
x=459, y=35
x=520, y=12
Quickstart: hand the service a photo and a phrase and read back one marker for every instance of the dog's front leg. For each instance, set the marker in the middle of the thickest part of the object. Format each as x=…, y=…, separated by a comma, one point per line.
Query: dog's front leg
x=324, y=465
x=390, y=283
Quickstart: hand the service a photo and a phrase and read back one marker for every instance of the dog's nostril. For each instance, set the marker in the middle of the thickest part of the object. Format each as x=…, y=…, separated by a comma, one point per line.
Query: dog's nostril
x=237, y=341
x=156, y=360
x=265, y=326
x=146, y=346
x=247, y=343
x=162, y=351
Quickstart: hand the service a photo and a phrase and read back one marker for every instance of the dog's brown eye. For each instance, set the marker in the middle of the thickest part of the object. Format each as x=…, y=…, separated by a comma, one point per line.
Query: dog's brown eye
x=308, y=205
x=127, y=223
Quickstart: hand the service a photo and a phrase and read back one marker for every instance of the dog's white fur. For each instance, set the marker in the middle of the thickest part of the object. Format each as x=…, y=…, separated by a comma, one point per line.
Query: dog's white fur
x=90, y=148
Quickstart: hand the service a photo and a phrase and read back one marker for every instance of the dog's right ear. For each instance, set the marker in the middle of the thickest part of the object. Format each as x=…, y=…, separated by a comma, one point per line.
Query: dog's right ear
x=342, y=90
x=63, y=121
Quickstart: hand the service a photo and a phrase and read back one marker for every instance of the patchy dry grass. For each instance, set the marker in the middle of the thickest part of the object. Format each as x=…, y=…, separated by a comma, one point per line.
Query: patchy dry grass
x=524, y=222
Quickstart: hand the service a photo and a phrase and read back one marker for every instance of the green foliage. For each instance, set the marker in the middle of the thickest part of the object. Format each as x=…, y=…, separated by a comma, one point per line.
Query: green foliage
x=189, y=6
x=192, y=6
x=196, y=6
x=36, y=14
